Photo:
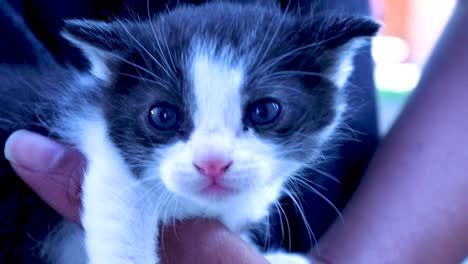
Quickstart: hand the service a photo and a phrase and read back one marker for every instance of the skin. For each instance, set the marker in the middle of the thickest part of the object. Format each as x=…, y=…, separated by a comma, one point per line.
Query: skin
x=410, y=207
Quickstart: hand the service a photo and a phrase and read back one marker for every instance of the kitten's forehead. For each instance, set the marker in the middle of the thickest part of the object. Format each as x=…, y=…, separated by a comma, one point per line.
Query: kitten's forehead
x=245, y=28
x=216, y=80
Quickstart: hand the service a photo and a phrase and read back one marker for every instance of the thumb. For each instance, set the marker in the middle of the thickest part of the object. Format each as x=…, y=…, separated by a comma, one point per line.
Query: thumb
x=52, y=170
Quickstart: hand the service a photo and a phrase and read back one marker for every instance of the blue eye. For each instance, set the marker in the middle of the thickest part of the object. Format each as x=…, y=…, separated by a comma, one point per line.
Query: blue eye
x=164, y=116
x=263, y=112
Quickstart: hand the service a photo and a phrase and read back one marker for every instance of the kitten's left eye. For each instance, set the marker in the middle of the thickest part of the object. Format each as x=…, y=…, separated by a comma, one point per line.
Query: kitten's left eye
x=164, y=116
x=263, y=112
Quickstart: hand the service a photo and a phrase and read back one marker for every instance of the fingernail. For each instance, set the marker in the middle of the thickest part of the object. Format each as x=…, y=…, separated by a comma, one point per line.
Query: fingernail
x=33, y=151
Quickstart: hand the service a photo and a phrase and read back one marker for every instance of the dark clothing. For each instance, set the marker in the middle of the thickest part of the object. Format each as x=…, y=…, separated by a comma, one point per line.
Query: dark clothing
x=29, y=35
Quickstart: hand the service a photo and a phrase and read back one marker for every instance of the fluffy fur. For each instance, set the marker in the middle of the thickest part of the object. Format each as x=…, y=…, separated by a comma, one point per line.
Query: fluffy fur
x=213, y=64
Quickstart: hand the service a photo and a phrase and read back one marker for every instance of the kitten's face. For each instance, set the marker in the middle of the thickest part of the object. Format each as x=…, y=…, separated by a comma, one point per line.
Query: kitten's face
x=238, y=131
x=219, y=103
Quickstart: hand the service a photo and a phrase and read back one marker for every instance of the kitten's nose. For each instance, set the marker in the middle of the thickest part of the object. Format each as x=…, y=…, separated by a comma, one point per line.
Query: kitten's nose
x=213, y=168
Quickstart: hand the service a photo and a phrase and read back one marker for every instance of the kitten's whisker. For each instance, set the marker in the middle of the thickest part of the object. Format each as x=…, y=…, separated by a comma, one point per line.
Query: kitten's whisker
x=267, y=85
x=308, y=165
x=156, y=39
x=174, y=208
x=275, y=34
x=267, y=232
x=294, y=188
x=259, y=51
x=173, y=220
x=297, y=72
x=304, y=181
x=140, y=78
x=328, y=201
x=157, y=216
x=302, y=215
x=295, y=52
x=268, y=80
x=288, y=226
x=150, y=179
x=323, y=173
x=312, y=167
x=144, y=49
x=147, y=194
x=356, y=134
x=267, y=227
x=118, y=57
x=161, y=207
x=162, y=83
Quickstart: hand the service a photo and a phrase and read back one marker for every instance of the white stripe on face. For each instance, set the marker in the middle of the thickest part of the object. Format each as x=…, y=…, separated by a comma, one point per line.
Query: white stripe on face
x=217, y=84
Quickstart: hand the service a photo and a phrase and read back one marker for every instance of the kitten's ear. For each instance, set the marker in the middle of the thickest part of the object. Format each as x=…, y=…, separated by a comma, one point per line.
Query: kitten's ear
x=335, y=40
x=99, y=42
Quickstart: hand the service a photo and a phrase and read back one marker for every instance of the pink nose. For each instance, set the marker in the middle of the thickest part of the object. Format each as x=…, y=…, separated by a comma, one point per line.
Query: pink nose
x=213, y=168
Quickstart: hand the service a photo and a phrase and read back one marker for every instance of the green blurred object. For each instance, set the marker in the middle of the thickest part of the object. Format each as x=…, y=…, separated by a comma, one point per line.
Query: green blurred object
x=390, y=104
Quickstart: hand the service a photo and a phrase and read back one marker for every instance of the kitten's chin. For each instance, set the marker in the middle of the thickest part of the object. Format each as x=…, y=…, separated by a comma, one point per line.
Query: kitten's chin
x=217, y=191
x=235, y=208
x=213, y=195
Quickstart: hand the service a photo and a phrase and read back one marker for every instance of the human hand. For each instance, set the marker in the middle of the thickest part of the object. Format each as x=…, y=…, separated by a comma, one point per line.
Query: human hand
x=52, y=170
x=206, y=241
x=55, y=173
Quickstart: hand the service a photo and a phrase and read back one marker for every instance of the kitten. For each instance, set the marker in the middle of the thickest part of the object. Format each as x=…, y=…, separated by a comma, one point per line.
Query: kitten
x=200, y=112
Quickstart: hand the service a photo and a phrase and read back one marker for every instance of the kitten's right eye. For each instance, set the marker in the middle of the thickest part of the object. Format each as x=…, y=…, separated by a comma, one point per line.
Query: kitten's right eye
x=164, y=116
x=263, y=112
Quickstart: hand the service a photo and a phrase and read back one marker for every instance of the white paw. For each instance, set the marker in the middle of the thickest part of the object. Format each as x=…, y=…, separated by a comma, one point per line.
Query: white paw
x=286, y=258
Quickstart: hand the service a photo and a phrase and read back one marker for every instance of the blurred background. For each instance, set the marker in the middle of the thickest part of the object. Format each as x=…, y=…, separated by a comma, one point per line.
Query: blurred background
x=411, y=29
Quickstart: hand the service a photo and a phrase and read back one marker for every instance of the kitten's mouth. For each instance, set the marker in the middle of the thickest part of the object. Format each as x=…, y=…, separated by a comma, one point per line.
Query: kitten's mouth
x=217, y=190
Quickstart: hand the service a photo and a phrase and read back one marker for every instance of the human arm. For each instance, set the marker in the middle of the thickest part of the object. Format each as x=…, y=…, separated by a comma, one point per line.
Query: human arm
x=411, y=206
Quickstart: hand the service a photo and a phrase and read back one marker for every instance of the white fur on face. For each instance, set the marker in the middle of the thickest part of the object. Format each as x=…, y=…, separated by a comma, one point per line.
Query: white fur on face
x=217, y=82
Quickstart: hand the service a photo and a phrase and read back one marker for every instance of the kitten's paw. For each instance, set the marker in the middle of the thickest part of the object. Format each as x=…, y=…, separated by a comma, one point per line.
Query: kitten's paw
x=287, y=258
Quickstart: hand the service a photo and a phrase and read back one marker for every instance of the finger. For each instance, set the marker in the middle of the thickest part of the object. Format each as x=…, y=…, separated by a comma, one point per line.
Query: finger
x=206, y=241
x=52, y=170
